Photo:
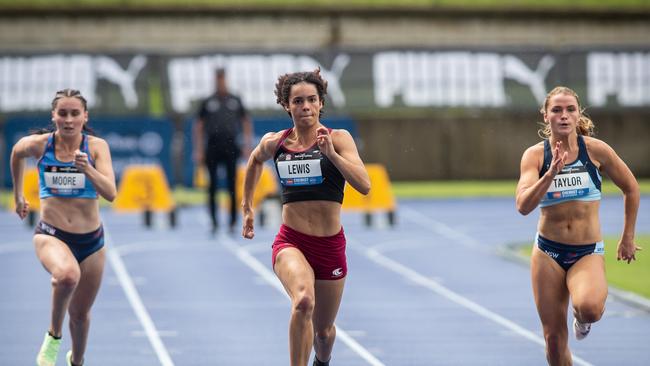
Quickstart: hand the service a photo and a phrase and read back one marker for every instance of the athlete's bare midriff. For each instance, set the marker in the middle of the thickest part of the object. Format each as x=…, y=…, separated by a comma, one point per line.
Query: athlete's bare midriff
x=316, y=218
x=572, y=222
x=74, y=215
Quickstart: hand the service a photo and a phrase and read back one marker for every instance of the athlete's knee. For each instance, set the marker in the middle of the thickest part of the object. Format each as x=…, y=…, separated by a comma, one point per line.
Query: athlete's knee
x=67, y=278
x=303, y=304
x=325, y=334
x=589, y=311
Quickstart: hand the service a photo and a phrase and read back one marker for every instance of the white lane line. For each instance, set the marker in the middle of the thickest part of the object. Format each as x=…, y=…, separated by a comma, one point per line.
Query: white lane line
x=258, y=247
x=440, y=228
x=243, y=255
x=434, y=286
x=466, y=240
x=401, y=244
x=136, y=302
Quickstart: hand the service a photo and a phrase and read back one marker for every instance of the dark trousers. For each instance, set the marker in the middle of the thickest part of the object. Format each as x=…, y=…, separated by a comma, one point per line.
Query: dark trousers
x=227, y=158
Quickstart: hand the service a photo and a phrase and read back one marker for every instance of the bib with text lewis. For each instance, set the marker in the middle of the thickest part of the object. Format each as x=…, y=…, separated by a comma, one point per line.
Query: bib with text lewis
x=300, y=169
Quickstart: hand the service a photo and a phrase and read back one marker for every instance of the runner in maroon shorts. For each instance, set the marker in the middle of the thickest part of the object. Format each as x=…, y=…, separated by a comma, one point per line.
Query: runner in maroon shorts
x=313, y=163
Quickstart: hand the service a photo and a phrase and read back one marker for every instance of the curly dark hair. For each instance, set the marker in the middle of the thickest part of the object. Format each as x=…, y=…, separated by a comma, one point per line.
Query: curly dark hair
x=286, y=81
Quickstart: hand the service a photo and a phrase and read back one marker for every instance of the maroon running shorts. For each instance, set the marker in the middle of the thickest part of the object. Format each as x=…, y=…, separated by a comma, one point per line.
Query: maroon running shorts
x=325, y=254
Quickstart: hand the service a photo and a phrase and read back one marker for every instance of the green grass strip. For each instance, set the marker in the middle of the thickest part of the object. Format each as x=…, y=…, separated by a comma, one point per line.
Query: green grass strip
x=481, y=188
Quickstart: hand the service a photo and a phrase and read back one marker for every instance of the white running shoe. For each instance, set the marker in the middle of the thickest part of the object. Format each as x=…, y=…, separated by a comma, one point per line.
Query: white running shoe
x=580, y=330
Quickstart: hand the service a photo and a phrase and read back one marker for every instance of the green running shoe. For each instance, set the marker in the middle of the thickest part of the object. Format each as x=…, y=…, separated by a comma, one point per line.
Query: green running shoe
x=68, y=359
x=49, y=351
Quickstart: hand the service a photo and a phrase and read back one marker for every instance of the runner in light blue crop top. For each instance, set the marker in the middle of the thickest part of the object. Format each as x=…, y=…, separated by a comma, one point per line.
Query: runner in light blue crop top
x=62, y=179
x=578, y=181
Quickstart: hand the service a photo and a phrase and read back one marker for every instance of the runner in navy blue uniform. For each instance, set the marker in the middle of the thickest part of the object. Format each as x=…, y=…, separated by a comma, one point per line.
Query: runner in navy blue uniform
x=562, y=175
x=221, y=125
x=313, y=163
x=74, y=167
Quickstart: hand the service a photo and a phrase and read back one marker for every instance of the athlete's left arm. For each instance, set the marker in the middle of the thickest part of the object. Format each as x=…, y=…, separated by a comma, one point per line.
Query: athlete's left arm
x=616, y=169
x=340, y=148
x=101, y=175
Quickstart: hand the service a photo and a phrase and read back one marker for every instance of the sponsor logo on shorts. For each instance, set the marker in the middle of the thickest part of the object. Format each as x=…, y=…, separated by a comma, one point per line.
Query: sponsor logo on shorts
x=552, y=254
x=600, y=248
x=48, y=229
x=337, y=272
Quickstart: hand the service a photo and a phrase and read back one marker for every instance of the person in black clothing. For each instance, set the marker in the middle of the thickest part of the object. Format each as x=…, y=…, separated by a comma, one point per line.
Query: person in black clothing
x=217, y=135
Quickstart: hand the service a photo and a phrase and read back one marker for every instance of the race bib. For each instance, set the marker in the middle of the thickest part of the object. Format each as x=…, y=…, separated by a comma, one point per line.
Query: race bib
x=64, y=178
x=300, y=172
x=570, y=182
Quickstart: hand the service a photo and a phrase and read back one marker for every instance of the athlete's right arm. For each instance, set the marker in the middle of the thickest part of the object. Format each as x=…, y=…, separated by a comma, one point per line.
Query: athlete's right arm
x=531, y=188
x=28, y=146
x=263, y=152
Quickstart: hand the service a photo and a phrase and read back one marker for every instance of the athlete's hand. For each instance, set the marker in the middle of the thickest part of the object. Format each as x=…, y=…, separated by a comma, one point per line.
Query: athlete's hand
x=22, y=207
x=81, y=160
x=627, y=250
x=247, y=230
x=559, y=160
x=324, y=140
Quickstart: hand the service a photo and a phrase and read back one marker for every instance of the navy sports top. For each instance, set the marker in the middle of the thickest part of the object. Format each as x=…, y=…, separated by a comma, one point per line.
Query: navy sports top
x=62, y=179
x=307, y=175
x=578, y=181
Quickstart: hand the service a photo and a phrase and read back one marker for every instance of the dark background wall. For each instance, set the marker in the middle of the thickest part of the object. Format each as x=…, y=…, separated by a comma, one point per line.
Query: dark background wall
x=488, y=145
x=418, y=145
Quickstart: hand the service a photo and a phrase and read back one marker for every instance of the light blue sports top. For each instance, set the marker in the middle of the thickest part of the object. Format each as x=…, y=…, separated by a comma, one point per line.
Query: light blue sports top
x=62, y=179
x=578, y=181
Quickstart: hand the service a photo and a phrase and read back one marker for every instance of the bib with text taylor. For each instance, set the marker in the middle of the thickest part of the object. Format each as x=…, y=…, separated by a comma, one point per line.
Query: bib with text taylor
x=570, y=182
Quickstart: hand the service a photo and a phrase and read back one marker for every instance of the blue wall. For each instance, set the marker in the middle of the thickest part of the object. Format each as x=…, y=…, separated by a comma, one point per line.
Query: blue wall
x=144, y=140
x=132, y=140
